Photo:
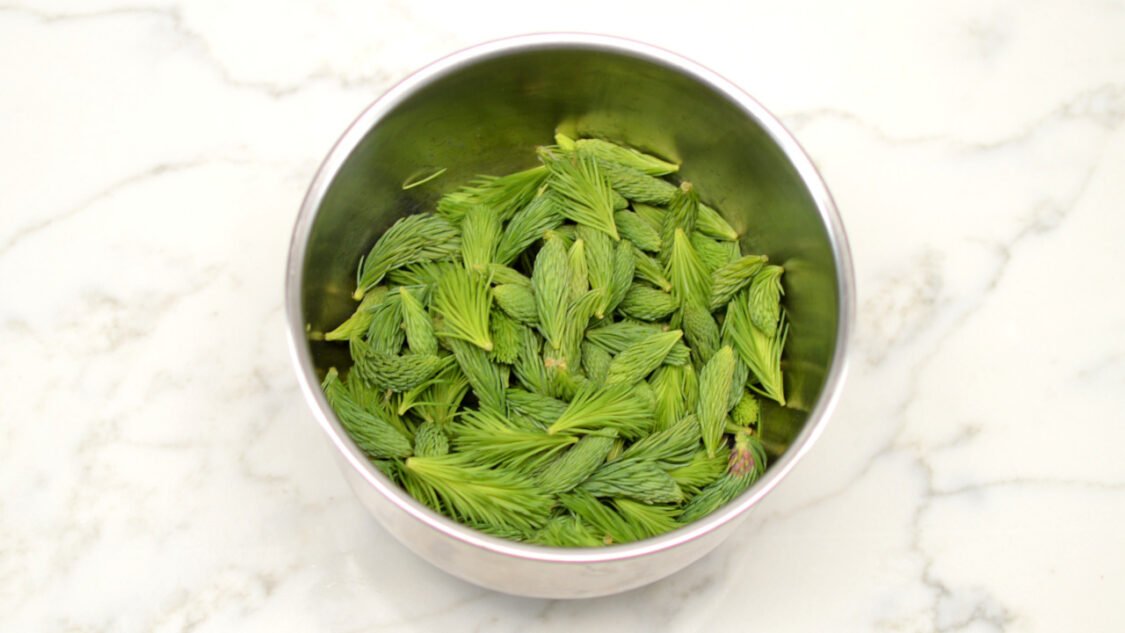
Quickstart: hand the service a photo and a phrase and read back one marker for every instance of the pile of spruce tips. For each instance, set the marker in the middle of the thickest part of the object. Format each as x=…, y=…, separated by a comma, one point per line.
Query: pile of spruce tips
x=570, y=355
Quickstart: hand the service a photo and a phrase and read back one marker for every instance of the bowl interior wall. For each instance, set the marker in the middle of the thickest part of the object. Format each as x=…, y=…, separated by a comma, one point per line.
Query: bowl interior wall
x=488, y=117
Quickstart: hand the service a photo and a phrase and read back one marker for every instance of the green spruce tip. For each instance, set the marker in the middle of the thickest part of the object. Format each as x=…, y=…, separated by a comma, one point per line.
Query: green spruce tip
x=600, y=256
x=617, y=335
x=714, y=254
x=442, y=397
x=747, y=412
x=528, y=226
x=701, y=331
x=393, y=372
x=505, y=334
x=357, y=324
x=636, y=186
x=370, y=432
x=564, y=142
x=377, y=401
x=480, y=234
x=488, y=380
x=670, y=404
x=648, y=270
x=760, y=352
x=517, y=302
x=690, y=386
x=710, y=223
x=563, y=380
x=714, y=394
x=647, y=304
x=566, y=530
x=624, y=267
x=579, y=279
x=550, y=284
x=611, y=408
x=505, y=532
x=463, y=300
x=417, y=323
x=430, y=440
x=675, y=392
x=748, y=457
x=574, y=466
x=612, y=152
x=620, y=520
x=595, y=362
x=637, y=479
x=640, y=359
x=567, y=232
x=505, y=195
x=738, y=382
x=648, y=519
x=421, y=277
x=643, y=391
x=636, y=230
x=501, y=274
x=578, y=317
x=733, y=250
x=746, y=464
x=469, y=491
x=691, y=282
x=541, y=408
x=652, y=215
x=615, y=452
x=769, y=349
x=529, y=367
x=729, y=279
x=584, y=190
x=700, y=472
x=712, y=497
x=683, y=210
x=670, y=447
x=385, y=332
x=415, y=238
x=496, y=441
x=417, y=396
x=602, y=519
x=765, y=299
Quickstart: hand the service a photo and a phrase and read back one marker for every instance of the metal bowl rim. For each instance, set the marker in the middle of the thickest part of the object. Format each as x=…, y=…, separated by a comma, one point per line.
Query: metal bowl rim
x=310, y=385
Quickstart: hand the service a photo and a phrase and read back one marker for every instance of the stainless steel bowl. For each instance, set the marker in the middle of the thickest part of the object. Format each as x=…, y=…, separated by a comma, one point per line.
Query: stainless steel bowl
x=483, y=110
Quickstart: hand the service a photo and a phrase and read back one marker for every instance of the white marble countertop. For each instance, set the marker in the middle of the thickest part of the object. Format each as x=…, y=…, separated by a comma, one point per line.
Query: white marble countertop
x=160, y=472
